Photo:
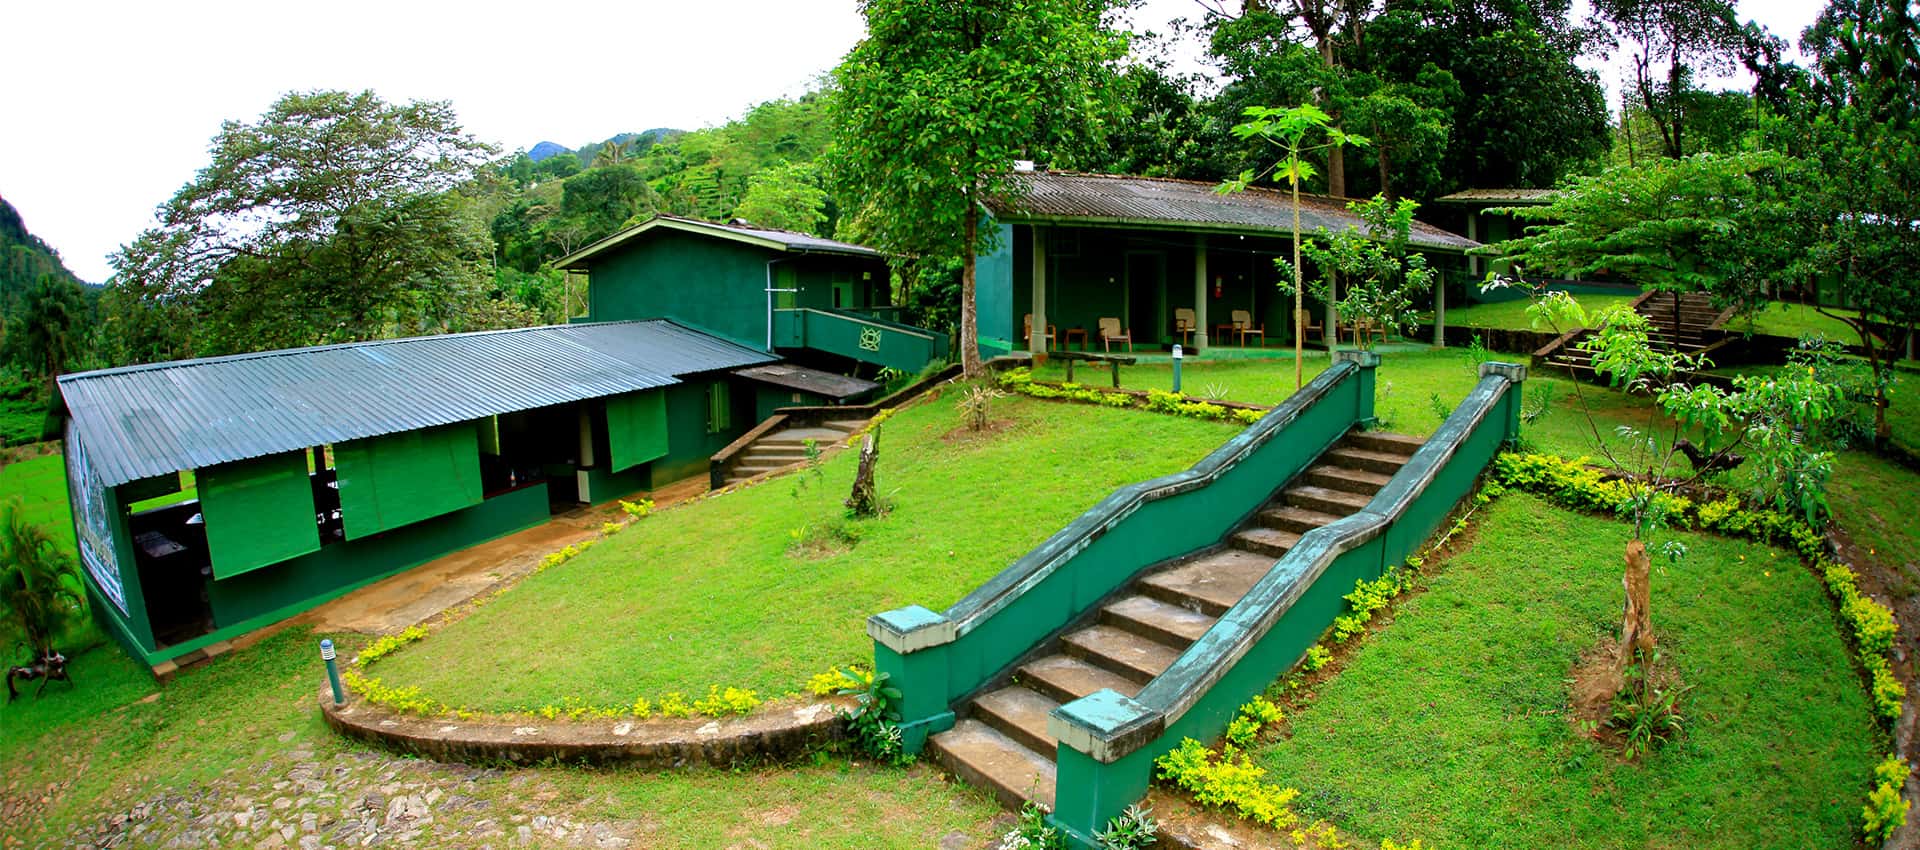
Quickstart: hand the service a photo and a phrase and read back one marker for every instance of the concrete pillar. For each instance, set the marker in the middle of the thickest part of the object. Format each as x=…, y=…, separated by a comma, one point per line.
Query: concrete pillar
x=1037, y=336
x=1201, y=327
x=1440, y=308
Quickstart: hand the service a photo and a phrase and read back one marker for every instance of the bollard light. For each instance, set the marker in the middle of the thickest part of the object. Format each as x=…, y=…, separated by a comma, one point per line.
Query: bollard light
x=1177, y=354
x=333, y=672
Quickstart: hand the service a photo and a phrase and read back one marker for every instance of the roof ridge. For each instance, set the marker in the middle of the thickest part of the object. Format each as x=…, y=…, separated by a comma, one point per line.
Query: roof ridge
x=335, y=346
x=1188, y=182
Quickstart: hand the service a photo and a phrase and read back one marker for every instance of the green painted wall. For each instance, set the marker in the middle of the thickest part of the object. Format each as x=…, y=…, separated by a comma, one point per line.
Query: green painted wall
x=636, y=428
x=712, y=284
x=257, y=512
x=862, y=338
x=993, y=288
x=396, y=479
x=339, y=567
x=691, y=446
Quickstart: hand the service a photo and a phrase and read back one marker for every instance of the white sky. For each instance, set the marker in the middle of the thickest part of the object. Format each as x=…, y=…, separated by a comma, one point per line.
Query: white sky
x=112, y=104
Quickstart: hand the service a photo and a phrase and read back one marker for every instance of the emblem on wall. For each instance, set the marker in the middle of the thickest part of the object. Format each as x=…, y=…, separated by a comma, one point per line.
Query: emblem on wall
x=870, y=339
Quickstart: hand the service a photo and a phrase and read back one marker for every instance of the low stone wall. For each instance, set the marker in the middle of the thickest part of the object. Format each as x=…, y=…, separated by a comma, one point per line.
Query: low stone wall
x=773, y=733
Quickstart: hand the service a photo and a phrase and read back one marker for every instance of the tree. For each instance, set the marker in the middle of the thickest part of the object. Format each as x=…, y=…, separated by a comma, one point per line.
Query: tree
x=940, y=99
x=1706, y=223
x=785, y=197
x=1671, y=42
x=40, y=590
x=1292, y=130
x=330, y=219
x=50, y=328
x=1855, y=121
x=1380, y=277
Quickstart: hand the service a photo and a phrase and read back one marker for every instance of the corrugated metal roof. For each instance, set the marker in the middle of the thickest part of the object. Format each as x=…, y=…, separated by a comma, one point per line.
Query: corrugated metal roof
x=1508, y=196
x=808, y=380
x=1097, y=199
x=765, y=237
x=141, y=421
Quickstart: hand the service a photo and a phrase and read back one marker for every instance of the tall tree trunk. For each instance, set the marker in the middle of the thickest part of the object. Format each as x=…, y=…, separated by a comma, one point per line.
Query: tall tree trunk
x=1636, y=622
x=969, y=316
x=864, y=501
x=1386, y=179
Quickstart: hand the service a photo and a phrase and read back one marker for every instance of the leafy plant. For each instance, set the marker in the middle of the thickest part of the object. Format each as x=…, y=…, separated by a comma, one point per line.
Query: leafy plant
x=1886, y=809
x=1229, y=781
x=40, y=589
x=1647, y=715
x=875, y=719
x=1438, y=406
x=976, y=404
x=1129, y=830
x=1379, y=276
x=1032, y=831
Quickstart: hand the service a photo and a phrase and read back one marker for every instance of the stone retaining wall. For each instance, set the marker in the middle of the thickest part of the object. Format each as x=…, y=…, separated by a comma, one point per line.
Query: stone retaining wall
x=775, y=732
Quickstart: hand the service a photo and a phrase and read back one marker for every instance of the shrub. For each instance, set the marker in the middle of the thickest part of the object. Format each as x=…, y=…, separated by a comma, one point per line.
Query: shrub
x=1228, y=781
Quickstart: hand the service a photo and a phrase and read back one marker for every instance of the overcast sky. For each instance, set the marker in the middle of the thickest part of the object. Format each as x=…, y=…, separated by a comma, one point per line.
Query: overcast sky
x=110, y=105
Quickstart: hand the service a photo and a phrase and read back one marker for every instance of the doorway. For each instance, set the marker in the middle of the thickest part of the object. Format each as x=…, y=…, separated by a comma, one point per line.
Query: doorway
x=1146, y=285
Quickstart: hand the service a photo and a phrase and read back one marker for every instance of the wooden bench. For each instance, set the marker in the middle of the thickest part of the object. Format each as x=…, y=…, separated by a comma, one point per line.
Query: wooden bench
x=1113, y=361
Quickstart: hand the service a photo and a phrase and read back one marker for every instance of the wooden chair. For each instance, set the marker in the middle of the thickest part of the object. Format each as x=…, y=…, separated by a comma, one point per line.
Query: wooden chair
x=1366, y=327
x=1184, y=323
x=1026, y=333
x=1111, y=332
x=1243, y=325
x=1312, y=328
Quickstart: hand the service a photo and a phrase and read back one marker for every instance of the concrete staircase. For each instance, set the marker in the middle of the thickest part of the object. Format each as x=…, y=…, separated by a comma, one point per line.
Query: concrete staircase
x=787, y=447
x=1683, y=322
x=1000, y=740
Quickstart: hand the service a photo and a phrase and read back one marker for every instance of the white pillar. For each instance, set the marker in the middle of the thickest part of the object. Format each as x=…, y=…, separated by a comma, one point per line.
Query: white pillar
x=1201, y=327
x=1037, y=336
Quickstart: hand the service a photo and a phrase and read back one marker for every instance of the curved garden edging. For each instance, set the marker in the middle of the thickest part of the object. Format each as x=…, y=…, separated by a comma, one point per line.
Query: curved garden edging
x=779, y=733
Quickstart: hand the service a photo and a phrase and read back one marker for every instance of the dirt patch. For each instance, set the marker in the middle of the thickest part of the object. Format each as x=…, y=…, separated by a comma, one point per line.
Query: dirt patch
x=1594, y=683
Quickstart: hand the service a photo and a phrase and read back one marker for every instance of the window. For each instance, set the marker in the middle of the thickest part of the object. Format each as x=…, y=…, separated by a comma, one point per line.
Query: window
x=719, y=408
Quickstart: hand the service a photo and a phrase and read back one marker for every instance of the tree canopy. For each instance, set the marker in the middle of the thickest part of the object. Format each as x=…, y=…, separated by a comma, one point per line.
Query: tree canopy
x=940, y=99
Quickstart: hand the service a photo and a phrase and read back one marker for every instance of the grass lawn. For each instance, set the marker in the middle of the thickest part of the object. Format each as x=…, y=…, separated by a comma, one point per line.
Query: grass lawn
x=1512, y=315
x=708, y=593
x=1450, y=724
x=1877, y=503
x=231, y=730
x=41, y=486
x=1796, y=320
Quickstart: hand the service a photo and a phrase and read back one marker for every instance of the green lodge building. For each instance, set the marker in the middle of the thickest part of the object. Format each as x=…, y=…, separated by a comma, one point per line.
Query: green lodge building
x=1141, y=261
x=214, y=496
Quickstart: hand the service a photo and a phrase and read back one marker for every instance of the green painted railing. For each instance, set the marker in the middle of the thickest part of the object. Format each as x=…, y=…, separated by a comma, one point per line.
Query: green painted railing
x=1108, y=742
x=864, y=338
x=939, y=659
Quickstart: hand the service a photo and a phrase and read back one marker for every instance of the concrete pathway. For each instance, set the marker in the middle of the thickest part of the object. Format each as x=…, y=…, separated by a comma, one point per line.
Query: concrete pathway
x=421, y=593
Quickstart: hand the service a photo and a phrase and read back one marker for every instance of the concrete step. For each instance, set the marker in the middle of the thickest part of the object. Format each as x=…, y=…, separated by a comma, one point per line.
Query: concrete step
x=847, y=426
x=1384, y=442
x=1260, y=540
x=1368, y=459
x=1064, y=678
x=1146, y=616
x=1209, y=584
x=1121, y=651
x=765, y=449
x=986, y=759
x=1293, y=519
x=1021, y=714
x=1338, y=502
x=1364, y=482
x=799, y=436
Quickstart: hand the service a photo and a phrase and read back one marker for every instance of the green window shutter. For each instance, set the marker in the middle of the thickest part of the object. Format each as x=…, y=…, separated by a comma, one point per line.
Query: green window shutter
x=719, y=407
x=257, y=512
x=397, y=479
x=636, y=428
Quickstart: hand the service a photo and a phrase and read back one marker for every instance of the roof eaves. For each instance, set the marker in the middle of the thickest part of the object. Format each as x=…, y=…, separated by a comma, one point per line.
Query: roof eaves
x=1207, y=227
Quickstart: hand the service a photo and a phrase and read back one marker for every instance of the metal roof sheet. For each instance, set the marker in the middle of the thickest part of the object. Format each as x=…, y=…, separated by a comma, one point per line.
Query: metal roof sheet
x=141, y=421
x=808, y=380
x=1109, y=199
x=765, y=237
x=1509, y=196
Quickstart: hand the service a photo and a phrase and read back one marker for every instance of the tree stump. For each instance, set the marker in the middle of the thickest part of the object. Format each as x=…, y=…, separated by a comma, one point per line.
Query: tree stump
x=1636, y=623
x=865, y=500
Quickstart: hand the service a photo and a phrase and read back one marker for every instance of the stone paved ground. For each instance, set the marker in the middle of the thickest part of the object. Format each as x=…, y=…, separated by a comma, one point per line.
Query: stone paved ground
x=355, y=798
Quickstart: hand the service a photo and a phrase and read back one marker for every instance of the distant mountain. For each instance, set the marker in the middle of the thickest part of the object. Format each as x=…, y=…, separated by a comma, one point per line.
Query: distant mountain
x=24, y=257
x=546, y=149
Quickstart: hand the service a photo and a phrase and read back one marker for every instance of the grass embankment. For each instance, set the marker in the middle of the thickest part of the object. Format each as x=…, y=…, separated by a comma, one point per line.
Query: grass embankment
x=41, y=486
x=1451, y=723
x=722, y=591
x=1797, y=320
x=1512, y=315
x=229, y=731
